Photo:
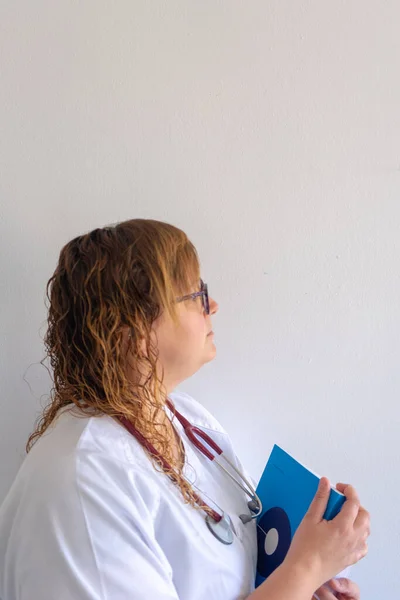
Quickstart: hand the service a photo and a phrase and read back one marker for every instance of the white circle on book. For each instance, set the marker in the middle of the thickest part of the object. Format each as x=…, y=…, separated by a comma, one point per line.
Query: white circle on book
x=271, y=541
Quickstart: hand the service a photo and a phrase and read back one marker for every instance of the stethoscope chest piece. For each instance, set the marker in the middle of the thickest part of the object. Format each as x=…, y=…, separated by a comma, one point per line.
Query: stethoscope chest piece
x=222, y=530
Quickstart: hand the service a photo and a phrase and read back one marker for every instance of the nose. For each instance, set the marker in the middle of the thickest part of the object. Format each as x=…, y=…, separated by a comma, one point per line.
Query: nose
x=214, y=306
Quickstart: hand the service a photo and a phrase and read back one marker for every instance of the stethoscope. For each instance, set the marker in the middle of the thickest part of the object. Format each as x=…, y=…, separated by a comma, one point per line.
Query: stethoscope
x=220, y=525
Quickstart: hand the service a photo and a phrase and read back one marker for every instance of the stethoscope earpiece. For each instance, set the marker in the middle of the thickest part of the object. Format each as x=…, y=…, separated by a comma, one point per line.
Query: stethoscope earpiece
x=253, y=505
x=245, y=518
x=220, y=525
x=255, y=508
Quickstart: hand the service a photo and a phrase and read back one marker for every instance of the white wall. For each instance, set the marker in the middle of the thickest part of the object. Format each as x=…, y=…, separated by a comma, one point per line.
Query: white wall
x=268, y=131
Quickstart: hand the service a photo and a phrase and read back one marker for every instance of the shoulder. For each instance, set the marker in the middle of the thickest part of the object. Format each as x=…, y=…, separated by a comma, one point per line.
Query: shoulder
x=195, y=412
x=80, y=451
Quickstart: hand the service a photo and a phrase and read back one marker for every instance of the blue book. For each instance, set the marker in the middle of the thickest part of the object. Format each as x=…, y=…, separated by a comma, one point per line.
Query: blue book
x=286, y=489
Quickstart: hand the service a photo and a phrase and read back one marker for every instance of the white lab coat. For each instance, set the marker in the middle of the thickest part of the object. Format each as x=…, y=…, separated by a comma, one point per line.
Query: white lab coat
x=89, y=518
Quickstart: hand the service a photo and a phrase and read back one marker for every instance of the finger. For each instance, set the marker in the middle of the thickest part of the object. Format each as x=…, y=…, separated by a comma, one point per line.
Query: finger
x=346, y=587
x=351, y=507
x=349, y=491
x=340, y=596
x=324, y=593
x=363, y=520
x=341, y=486
x=318, y=505
x=363, y=552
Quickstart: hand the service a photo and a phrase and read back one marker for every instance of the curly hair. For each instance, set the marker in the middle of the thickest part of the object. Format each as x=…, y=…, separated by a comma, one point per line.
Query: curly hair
x=110, y=279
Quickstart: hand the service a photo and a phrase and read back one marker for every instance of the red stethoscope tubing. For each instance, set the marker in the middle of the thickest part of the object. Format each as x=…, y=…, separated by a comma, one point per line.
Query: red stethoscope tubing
x=146, y=444
x=193, y=433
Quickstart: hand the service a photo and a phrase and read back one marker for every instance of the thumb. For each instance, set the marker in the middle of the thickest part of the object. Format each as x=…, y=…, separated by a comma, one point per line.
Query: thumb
x=338, y=585
x=317, y=507
x=345, y=587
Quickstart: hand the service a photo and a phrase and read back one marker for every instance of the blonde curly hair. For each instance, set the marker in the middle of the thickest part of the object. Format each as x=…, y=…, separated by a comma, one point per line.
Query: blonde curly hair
x=110, y=279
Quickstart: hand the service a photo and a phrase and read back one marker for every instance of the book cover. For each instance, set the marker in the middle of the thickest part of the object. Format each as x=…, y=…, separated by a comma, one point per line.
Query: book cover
x=286, y=489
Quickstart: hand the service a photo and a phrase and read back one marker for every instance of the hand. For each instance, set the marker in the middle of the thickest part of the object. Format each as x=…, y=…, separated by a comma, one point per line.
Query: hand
x=344, y=590
x=325, y=548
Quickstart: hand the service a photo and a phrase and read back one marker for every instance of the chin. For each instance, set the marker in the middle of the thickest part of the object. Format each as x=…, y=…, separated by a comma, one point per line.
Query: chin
x=211, y=355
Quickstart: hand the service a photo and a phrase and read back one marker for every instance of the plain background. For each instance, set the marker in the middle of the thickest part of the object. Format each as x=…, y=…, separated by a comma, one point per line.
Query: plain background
x=269, y=132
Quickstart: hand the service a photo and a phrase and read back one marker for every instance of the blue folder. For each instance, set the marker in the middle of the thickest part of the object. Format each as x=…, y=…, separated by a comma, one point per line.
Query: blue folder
x=286, y=489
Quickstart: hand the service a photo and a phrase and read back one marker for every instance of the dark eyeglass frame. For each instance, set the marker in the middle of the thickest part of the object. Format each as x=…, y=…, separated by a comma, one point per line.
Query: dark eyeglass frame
x=204, y=296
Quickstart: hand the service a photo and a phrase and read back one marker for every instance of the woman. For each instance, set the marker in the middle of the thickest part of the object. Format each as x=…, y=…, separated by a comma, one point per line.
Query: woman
x=110, y=502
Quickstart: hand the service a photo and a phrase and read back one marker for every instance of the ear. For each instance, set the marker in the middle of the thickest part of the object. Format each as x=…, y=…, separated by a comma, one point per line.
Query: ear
x=126, y=337
x=142, y=343
x=143, y=347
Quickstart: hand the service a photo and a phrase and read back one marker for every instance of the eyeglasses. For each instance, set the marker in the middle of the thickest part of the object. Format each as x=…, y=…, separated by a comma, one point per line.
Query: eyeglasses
x=204, y=296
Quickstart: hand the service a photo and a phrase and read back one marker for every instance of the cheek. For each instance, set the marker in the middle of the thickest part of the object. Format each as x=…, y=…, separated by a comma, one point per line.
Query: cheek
x=188, y=341
x=191, y=337
x=195, y=329
x=182, y=345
